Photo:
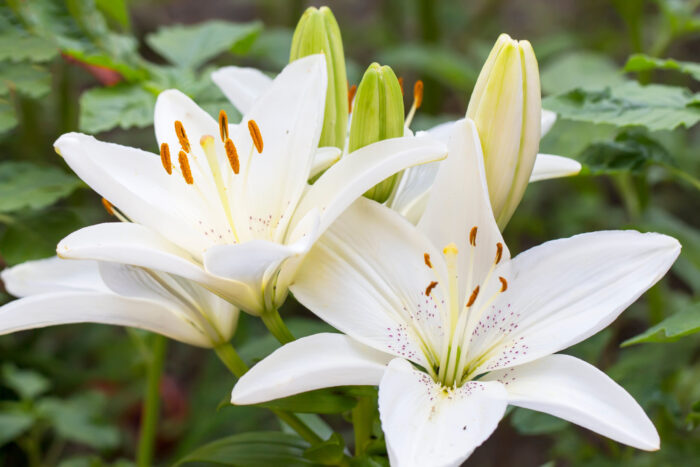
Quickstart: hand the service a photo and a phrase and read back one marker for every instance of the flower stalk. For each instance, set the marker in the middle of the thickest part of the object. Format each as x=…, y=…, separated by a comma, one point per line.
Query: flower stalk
x=151, y=405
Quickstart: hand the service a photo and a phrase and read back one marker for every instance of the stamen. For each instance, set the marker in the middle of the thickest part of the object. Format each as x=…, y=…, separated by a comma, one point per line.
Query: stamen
x=504, y=283
x=108, y=207
x=472, y=236
x=223, y=125
x=351, y=96
x=185, y=168
x=182, y=136
x=165, y=158
x=418, y=94
x=255, y=134
x=499, y=252
x=472, y=297
x=430, y=288
x=426, y=258
x=232, y=155
x=401, y=85
x=450, y=249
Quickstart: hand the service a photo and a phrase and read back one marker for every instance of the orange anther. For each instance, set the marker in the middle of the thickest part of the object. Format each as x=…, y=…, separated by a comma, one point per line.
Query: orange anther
x=504, y=283
x=255, y=134
x=232, y=155
x=472, y=297
x=401, y=85
x=472, y=236
x=108, y=207
x=418, y=94
x=351, y=96
x=223, y=125
x=499, y=251
x=430, y=288
x=182, y=136
x=426, y=258
x=185, y=168
x=165, y=158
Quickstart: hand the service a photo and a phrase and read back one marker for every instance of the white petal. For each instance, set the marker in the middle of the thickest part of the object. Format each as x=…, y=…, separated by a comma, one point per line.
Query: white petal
x=569, y=388
x=367, y=277
x=458, y=202
x=242, y=86
x=425, y=425
x=324, y=158
x=137, y=245
x=52, y=275
x=313, y=362
x=549, y=166
x=362, y=169
x=547, y=121
x=564, y=291
x=413, y=192
x=137, y=184
x=442, y=131
x=51, y=309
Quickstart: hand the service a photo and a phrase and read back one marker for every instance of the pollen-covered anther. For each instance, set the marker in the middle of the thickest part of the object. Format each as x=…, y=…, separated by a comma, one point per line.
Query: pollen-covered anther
x=182, y=136
x=232, y=155
x=504, y=283
x=165, y=158
x=418, y=94
x=255, y=135
x=472, y=297
x=223, y=125
x=185, y=168
x=108, y=207
x=430, y=288
x=401, y=85
x=499, y=252
x=472, y=236
x=426, y=258
x=351, y=95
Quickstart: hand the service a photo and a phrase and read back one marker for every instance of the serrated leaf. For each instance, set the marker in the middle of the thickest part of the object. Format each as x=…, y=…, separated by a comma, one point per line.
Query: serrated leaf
x=124, y=106
x=641, y=62
x=25, y=185
x=257, y=449
x=192, y=46
x=26, y=383
x=529, y=422
x=24, y=78
x=8, y=120
x=14, y=422
x=320, y=401
x=17, y=46
x=585, y=70
x=631, y=151
x=655, y=106
x=682, y=323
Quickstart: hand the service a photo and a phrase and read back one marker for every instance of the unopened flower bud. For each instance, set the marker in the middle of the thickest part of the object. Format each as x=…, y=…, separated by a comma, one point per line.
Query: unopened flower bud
x=506, y=106
x=377, y=115
x=318, y=32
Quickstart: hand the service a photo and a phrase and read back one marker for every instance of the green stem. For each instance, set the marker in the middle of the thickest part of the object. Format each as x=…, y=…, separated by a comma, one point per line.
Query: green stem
x=683, y=175
x=228, y=355
x=273, y=322
x=296, y=424
x=362, y=416
x=151, y=405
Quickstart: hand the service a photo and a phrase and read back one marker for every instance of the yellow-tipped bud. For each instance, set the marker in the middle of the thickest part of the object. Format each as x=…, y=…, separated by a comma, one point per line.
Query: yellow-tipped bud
x=378, y=114
x=318, y=32
x=506, y=106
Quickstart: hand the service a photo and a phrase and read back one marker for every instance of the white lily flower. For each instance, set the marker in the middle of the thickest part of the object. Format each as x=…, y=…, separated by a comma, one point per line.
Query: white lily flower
x=55, y=291
x=226, y=205
x=452, y=329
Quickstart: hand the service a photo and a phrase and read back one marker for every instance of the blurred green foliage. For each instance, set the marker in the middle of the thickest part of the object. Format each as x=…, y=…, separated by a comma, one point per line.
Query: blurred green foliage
x=622, y=74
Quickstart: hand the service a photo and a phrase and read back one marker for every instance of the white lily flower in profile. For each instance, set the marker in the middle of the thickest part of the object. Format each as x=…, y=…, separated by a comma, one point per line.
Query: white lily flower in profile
x=452, y=329
x=55, y=291
x=228, y=205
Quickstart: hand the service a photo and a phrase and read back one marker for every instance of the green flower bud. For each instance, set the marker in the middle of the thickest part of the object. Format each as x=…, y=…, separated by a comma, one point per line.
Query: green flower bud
x=506, y=106
x=318, y=32
x=377, y=115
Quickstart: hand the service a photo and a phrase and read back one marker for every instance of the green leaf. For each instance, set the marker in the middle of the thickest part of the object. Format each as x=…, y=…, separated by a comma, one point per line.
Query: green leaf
x=329, y=452
x=124, y=106
x=8, y=120
x=25, y=185
x=682, y=323
x=529, y=422
x=191, y=46
x=641, y=62
x=115, y=9
x=16, y=45
x=585, y=70
x=257, y=449
x=631, y=151
x=94, y=461
x=24, y=78
x=320, y=401
x=13, y=422
x=78, y=419
x=28, y=384
x=656, y=106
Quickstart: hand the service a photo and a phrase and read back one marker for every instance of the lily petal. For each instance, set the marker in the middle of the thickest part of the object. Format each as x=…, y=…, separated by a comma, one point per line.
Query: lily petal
x=242, y=86
x=137, y=245
x=547, y=121
x=324, y=158
x=413, y=191
x=566, y=290
x=360, y=170
x=569, y=388
x=52, y=275
x=314, y=362
x=427, y=425
x=368, y=273
x=550, y=166
x=459, y=201
x=51, y=309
